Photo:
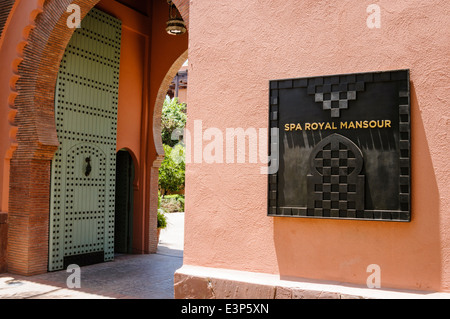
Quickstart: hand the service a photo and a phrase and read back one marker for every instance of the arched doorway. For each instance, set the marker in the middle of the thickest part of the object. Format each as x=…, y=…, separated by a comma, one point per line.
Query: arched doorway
x=36, y=139
x=124, y=203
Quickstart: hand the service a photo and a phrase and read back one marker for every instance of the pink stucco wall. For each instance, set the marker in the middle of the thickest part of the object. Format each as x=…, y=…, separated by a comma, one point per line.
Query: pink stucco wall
x=236, y=47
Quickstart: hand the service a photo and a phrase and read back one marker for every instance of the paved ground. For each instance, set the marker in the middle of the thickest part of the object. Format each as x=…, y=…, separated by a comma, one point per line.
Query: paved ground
x=128, y=276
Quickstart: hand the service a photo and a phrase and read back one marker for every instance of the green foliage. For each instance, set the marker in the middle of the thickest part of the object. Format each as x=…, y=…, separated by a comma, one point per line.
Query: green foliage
x=173, y=117
x=172, y=170
x=162, y=220
x=172, y=203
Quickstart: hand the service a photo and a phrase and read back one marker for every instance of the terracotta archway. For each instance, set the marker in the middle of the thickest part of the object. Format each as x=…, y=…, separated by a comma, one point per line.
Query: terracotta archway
x=154, y=173
x=33, y=131
x=160, y=100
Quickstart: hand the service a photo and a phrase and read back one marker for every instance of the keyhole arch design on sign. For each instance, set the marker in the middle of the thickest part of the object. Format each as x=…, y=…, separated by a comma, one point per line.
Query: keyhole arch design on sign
x=336, y=185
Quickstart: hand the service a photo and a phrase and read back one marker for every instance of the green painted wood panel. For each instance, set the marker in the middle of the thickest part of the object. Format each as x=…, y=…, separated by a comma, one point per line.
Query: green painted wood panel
x=82, y=204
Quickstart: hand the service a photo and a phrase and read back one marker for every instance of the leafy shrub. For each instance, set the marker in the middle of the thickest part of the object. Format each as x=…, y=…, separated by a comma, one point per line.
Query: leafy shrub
x=173, y=117
x=172, y=170
x=162, y=220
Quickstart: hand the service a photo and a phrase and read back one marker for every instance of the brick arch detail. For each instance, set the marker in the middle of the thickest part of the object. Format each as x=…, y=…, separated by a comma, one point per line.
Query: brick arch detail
x=5, y=9
x=33, y=130
x=157, y=113
x=160, y=101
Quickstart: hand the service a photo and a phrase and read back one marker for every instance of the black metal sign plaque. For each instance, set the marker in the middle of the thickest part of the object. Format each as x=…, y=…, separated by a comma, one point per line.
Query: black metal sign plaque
x=343, y=147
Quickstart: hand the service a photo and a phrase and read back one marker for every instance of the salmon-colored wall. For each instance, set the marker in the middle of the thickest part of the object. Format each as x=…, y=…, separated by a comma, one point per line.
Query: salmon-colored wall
x=133, y=98
x=133, y=75
x=235, y=49
x=131, y=90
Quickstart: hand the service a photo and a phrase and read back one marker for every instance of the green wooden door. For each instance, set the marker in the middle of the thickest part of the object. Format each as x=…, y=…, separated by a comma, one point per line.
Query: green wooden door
x=83, y=170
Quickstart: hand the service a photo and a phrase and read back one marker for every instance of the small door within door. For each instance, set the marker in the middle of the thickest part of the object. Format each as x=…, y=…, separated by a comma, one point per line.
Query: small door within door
x=123, y=224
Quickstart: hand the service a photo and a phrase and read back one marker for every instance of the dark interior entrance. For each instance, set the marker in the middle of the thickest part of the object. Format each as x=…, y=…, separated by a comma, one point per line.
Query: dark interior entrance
x=123, y=226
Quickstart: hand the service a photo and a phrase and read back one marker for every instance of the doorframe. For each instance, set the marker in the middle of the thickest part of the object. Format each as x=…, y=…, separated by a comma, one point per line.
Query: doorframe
x=131, y=208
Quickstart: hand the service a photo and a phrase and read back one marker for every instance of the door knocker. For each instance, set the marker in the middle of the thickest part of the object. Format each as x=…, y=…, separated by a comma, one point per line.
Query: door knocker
x=88, y=168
